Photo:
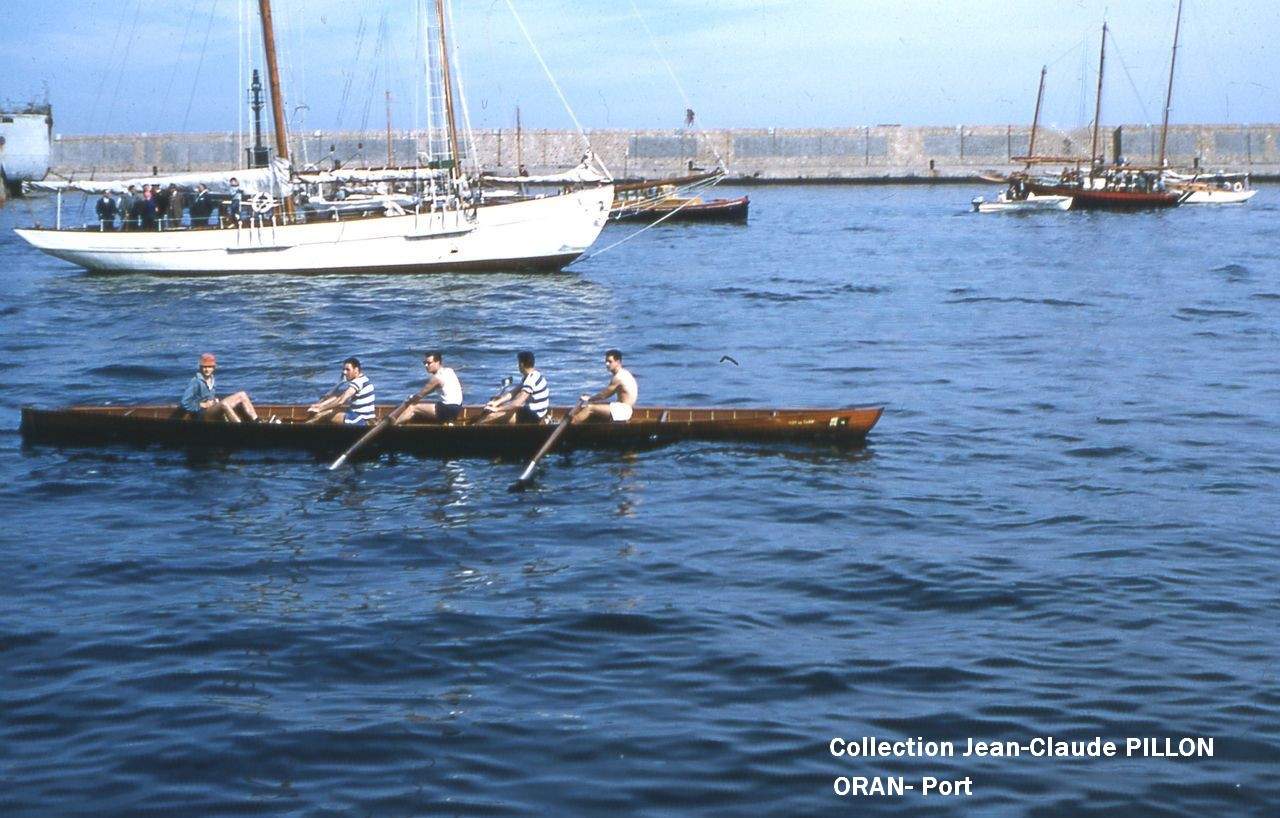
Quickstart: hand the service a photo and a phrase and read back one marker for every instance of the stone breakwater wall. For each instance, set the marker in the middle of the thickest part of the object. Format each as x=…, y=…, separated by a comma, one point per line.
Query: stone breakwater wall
x=881, y=153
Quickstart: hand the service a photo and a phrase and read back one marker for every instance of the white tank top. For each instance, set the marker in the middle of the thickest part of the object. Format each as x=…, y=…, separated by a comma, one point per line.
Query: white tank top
x=450, y=388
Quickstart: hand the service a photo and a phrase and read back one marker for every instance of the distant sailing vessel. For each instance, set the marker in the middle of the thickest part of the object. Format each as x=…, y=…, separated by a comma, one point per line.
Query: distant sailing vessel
x=1121, y=186
x=447, y=224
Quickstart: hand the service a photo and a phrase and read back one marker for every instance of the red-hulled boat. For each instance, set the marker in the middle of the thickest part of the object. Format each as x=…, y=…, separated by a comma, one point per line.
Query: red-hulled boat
x=1109, y=198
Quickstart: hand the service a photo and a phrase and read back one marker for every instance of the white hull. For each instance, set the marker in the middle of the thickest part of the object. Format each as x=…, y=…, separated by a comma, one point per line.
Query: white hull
x=1030, y=204
x=545, y=234
x=1219, y=196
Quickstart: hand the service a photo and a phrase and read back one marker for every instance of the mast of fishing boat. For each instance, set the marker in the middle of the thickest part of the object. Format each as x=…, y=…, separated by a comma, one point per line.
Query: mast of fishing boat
x=1168, y=97
x=455, y=170
x=273, y=79
x=1097, y=109
x=388, y=128
x=1035, y=119
x=519, y=145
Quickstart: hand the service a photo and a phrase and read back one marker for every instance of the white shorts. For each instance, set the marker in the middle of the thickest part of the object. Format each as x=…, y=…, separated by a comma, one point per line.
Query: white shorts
x=620, y=412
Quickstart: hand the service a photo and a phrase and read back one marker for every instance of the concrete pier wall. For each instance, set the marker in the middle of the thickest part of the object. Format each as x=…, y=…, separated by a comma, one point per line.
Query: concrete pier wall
x=874, y=153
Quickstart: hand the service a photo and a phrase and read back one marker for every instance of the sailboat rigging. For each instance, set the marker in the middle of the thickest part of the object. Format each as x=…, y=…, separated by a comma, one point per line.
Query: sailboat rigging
x=438, y=221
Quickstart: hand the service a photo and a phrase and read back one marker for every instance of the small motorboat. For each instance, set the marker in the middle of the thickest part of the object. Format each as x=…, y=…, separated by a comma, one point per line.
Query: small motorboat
x=1218, y=188
x=1030, y=203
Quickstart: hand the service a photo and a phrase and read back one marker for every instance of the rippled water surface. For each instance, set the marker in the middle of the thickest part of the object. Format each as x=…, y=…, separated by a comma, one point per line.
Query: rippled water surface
x=1065, y=524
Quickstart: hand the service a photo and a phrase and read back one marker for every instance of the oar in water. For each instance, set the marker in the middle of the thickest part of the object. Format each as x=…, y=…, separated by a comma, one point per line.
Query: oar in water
x=379, y=427
x=519, y=484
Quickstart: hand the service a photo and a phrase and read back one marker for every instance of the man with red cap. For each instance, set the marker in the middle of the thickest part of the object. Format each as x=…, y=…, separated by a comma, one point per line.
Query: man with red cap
x=201, y=400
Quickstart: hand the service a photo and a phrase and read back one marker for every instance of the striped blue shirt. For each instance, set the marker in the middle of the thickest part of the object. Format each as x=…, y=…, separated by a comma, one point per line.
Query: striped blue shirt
x=360, y=409
x=539, y=393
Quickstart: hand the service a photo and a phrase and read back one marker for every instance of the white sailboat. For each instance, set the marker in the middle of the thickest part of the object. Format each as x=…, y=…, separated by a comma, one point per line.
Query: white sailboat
x=451, y=226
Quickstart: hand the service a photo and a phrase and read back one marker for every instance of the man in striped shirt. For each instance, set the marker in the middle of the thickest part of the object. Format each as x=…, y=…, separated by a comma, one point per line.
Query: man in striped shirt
x=443, y=380
x=527, y=403
x=350, y=402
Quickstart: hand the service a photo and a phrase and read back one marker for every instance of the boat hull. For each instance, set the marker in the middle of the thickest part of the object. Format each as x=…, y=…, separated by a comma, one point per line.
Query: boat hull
x=1031, y=204
x=533, y=234
x=1086, y=199
x=655, y=426
x=1219, y=197
x=718, y=210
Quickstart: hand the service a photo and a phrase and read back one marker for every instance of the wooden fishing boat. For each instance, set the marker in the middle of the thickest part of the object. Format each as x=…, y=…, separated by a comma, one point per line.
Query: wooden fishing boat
x=1109, y=198
x=649, y=427
x=649, y=200
x=680, y=209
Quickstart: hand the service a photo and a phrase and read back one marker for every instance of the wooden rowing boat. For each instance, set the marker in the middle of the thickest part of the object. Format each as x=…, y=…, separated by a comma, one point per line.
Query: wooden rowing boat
x=648, y=427
x=680, y=209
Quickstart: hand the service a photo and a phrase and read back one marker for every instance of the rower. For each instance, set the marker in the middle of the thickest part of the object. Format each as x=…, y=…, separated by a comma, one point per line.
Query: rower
x=350, y=402
x=444, y=380
x=623, y=384
x=529, y=401
x=201, y=401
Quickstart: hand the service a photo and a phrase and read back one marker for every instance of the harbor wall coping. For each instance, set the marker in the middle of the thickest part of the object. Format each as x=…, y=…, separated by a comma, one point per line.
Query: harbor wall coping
x=876, y=153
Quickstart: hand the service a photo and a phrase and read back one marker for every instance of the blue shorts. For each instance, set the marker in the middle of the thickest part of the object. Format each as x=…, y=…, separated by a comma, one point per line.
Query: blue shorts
x=352, y=419
x=448, y=411
x=526, y=415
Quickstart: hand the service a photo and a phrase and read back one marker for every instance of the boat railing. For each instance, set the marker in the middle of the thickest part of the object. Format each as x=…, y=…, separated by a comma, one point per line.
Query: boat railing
x=275, y=215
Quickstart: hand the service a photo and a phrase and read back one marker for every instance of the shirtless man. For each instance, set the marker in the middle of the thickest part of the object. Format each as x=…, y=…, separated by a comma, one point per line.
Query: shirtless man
x=446, y=381
x=200, y=399
x=622, y=384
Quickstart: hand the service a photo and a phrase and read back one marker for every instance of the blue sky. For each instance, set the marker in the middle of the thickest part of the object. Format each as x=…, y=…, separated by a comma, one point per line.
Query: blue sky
x=171, y=65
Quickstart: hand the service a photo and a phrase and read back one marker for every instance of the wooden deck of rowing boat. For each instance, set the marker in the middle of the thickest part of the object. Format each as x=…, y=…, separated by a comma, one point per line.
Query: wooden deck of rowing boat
x=650, y=426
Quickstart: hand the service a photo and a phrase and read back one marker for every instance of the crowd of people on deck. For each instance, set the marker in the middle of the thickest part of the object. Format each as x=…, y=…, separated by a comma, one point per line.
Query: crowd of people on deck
x=351, y=400
x=1119, y=178
x=168, y=207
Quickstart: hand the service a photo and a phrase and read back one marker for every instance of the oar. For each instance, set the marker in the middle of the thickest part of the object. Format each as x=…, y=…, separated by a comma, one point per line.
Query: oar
x=519, y=484
x=506, y=386
x=379, y=427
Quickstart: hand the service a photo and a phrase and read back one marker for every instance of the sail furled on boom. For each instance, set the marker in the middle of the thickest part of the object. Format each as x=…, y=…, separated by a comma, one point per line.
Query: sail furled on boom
x=273, y=181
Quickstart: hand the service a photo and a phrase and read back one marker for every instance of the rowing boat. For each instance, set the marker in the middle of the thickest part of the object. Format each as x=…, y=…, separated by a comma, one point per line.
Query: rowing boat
x=286, y=429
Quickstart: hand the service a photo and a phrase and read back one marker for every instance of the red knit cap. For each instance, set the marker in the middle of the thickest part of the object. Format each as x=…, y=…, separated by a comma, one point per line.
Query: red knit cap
x=207, y=359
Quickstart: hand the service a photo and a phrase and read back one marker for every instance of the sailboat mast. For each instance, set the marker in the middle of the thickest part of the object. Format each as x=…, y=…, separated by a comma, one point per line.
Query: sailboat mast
x=519, y=145
x=1035, y=119
x=388, y=128
x=273, y=79
x=1168, y=97
x=1097, y=110
x=456, y=170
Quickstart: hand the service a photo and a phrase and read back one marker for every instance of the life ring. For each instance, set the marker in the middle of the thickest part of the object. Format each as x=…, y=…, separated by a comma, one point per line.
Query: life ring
x=1238, y=186
x=261, y=203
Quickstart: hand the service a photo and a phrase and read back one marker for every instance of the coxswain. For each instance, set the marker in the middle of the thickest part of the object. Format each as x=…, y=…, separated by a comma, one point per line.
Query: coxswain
x=201, y=401
x=350, y=402
x=527, y=403
x=443, y=380
x=622, y=384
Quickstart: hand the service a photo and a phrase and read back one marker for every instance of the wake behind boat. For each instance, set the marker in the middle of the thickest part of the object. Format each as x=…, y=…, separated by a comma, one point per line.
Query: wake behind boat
x=287, y=429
